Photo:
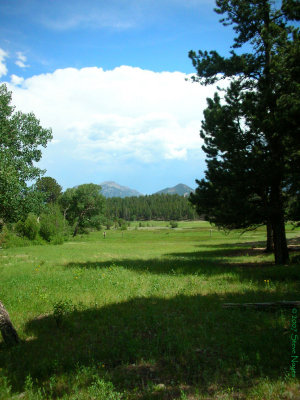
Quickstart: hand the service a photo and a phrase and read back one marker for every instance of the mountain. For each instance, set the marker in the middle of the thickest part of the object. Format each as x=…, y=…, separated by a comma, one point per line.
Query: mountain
x=113, y=189
x=181, y=189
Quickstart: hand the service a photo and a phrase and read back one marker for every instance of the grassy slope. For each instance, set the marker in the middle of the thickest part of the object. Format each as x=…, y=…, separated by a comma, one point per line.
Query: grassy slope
x=142, y=318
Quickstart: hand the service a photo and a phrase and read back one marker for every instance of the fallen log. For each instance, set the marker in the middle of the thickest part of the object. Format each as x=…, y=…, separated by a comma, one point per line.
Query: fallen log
x=262, y=306
x=8, y=332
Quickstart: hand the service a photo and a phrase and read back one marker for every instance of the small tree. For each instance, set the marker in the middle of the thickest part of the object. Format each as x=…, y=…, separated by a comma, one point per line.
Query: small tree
x=82, y=203
x=50, y=188
x=52, y=225
x=31, y=226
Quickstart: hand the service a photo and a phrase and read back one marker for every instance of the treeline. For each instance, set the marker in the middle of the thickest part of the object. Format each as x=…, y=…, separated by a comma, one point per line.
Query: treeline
x=155, y=206
x=47, y=214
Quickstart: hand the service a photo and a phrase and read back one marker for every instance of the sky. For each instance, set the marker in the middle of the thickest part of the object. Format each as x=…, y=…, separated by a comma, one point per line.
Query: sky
x=111, y=78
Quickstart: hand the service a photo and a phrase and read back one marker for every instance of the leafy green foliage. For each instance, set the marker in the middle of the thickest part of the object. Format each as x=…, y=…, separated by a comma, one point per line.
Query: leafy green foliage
x=50, y=188
x=52, y=224
x=82, y=203
x=61, y=309
x=21, y=138
x=31, y=226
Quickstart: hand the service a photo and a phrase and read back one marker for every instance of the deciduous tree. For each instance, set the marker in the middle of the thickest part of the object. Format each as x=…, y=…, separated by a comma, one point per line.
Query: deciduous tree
x=50, y=188
x=82, y=203
x=21, y=138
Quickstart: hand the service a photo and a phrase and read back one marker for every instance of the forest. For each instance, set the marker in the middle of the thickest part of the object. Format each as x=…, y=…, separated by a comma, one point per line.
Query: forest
x=157, y=206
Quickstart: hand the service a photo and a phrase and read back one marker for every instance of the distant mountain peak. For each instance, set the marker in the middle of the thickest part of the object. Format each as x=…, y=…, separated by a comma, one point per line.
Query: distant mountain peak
x=113, y=189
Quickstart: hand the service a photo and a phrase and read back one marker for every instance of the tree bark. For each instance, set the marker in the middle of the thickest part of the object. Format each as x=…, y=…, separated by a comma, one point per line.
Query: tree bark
x=278, y=226
x=8, y=332
x=76, y=229
x=280, y=244
x=270, y=243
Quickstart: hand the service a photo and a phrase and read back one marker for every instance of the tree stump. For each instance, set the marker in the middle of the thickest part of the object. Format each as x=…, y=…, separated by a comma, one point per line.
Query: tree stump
x=8, y=332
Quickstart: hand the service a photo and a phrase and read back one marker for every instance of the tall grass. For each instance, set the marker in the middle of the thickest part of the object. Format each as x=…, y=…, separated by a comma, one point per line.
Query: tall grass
x=138, y=315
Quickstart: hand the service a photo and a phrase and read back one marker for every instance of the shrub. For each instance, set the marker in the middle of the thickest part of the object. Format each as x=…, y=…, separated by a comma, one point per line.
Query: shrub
x=52, y=224
x=61, y=310
x=96, y=222
x=173, y=224
x=108, y=224
x=31, y=226
x=9, y=239
x=19, y=228
x=58, y=239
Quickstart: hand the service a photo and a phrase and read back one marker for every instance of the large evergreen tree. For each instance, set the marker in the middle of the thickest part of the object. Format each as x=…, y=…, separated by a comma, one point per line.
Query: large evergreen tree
x=251, y=137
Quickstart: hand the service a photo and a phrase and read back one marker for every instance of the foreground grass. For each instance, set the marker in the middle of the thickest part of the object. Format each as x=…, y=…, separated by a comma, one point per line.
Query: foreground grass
x=139, y=315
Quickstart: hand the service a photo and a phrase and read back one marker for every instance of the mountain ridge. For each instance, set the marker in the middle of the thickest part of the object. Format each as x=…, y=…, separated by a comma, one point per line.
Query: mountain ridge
x=180, y=189
x=113, y=189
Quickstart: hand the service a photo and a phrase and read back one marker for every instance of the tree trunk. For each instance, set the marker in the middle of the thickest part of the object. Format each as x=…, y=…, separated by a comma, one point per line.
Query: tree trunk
x=270, y=243
x=280, y=244
x=9, y=333
x=277, y=219
x=76, y=229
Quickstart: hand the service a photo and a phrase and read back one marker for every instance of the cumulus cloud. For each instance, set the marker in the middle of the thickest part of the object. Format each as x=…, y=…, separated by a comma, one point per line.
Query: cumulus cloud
x=126, y=113
x=21, y=59
x=16, y=80
x=3, y=69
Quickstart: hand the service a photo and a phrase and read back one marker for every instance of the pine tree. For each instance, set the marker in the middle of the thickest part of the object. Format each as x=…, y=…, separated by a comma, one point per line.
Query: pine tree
x=251, y=138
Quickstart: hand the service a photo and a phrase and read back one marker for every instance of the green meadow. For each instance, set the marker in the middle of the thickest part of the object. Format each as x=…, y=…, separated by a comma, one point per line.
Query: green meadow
x=138, y=315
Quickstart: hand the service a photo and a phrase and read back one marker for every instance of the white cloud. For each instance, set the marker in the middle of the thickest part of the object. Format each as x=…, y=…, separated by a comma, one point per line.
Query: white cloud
x=21, y=60
x=16, y=80
x=3, y=69
x=128, y=113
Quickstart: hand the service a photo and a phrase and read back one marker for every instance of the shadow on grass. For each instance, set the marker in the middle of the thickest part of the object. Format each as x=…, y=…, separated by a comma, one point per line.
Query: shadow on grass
x=186, y=341
x=253, y=264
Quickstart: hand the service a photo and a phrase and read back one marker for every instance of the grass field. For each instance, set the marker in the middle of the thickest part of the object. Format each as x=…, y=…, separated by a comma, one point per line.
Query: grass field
x=139, y=315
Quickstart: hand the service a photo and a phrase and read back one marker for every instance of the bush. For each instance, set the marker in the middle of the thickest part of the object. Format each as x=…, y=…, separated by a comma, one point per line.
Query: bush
x=108, y=224
x=31, y=226
x=96, y=222
x=58, y=239
x=19, y=228
x=52, y=225
x=173, y=224
x=9, y=239
x=61, y=310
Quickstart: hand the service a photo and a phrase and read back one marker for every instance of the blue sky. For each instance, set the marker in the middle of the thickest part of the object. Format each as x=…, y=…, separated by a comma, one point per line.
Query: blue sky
x=109, y=77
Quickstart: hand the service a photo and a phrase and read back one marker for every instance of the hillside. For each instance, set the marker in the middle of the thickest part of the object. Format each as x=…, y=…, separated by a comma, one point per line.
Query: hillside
x=180, y=189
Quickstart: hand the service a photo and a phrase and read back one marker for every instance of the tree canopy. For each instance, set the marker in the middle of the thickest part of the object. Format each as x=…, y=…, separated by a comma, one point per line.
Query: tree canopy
x=21, y=138
x=50, y=188
x=82, y=203
x=251, y=136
